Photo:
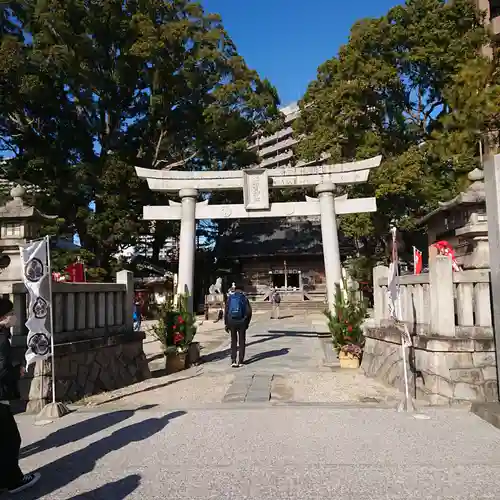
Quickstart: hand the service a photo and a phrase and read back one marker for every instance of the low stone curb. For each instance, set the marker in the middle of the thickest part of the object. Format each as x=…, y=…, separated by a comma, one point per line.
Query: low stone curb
x=331, y=359
x=487, y=411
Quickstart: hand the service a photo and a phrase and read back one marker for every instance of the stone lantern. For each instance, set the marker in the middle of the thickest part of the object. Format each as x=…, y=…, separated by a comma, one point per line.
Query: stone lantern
x=462, y=222
x=19, y=223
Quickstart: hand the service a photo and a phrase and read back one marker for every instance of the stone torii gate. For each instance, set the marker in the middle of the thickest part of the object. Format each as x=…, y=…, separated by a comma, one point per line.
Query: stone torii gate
x=255, y=183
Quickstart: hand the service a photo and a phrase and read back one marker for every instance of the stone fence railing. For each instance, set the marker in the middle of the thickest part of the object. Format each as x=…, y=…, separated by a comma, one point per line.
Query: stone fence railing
x=452, y=358
x=442, y=302
x=82, y=310
x=96, y=348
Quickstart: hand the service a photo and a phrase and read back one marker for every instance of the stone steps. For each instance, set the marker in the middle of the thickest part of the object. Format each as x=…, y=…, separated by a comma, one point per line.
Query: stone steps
x=302, y=306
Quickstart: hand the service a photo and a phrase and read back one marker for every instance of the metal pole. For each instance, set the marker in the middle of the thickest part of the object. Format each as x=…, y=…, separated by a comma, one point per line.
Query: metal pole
x=407, y=405
x=399, y=315
x=51, y=308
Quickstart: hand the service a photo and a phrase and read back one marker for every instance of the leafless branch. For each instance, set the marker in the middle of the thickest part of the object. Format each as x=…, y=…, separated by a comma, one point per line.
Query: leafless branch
x=18, y=120
x=157, y=149
x=179, y=163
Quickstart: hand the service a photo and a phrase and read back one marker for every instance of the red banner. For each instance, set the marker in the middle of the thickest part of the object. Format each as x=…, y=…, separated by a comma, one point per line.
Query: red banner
x=76, y=272
x=417, y=261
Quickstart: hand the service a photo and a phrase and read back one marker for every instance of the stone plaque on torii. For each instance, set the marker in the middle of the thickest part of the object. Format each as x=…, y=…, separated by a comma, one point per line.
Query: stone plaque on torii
x=255, y=183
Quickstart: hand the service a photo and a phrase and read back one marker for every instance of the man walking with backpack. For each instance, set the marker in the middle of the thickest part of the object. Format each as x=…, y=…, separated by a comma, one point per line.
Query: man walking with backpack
x=237, y=317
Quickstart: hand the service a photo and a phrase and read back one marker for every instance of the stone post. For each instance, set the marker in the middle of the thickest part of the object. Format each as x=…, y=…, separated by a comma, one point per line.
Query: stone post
x=442, y=295
x=492, y=191
x=331, y=252
x=127, y=278
x=187, y=243
x=19, y=331
x=380, y=309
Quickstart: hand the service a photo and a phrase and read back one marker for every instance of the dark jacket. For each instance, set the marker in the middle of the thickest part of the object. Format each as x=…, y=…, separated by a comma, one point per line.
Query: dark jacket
x=9, y=374
x=248, y=311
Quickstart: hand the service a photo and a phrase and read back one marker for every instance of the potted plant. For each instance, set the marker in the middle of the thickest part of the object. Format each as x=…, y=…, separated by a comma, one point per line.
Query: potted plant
x=345, y=325
x=175, y=330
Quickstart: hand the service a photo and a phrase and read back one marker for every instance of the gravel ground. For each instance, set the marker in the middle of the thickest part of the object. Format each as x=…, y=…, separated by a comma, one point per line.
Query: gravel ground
x=306, y=453
x=339, y=386
x=186, y=388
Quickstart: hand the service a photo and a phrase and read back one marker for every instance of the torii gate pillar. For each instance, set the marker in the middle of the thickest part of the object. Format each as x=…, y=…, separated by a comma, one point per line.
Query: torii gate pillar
x=187, y=244
x=329, y=233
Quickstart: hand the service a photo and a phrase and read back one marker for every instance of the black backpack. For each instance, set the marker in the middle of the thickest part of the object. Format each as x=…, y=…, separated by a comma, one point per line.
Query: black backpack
x=277, y=298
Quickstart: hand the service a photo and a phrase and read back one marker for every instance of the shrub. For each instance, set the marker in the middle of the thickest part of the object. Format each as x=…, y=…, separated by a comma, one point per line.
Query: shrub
x=346, y=320
x=175, y=328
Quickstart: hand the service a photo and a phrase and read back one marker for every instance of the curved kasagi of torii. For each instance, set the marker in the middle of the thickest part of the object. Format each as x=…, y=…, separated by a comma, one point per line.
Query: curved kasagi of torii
x=302, y=175
x=299, y=176
x=255, y=183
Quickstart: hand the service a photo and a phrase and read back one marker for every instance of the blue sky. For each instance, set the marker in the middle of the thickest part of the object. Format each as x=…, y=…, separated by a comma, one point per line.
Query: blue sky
x=286, y=41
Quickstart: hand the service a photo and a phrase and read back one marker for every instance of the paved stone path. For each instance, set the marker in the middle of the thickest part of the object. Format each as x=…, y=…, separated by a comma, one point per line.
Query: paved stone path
x=284, y=426
x=250, y=453
x=286, y=363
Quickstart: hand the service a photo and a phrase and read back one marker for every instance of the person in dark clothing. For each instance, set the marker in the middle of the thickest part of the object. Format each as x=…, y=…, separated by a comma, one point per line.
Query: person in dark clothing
x=237, y=317
x=11, y=477
x=136, y=316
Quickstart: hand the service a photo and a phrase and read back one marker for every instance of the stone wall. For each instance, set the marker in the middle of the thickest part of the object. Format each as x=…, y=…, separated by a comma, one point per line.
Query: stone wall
x=95, y=347
x=85, y=368
x=444, y=370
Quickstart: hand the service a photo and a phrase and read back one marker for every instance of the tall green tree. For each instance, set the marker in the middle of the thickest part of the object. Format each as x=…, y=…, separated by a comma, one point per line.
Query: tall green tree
x=394, y=89
x=98, y=87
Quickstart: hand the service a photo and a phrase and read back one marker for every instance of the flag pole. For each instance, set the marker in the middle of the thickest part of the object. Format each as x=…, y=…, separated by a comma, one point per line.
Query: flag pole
x=52, y=410
x=49, y=265
x=407, y=404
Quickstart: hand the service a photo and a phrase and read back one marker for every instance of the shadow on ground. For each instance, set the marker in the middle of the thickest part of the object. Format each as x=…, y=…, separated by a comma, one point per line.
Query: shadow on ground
x=266, y=355
x=117, y=490
x=80, y=430
x=265, y=337
x=290, y=333
x=67, y=469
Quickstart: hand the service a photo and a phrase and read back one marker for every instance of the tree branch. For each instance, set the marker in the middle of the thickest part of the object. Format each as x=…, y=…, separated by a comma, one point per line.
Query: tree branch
x=157, y=149
x=177, y=163
x=428, y=113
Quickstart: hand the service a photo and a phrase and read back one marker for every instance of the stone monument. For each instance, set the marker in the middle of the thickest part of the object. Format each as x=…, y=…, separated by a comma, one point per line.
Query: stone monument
x=216, y=288
x=255, y=183
x=19, y=223
x=214, y=300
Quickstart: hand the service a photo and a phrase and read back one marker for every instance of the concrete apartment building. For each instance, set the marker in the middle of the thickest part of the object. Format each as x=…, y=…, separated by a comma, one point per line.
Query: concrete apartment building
x=492, y=9
x=492, y=20
x=283, y=253
x=276, y=150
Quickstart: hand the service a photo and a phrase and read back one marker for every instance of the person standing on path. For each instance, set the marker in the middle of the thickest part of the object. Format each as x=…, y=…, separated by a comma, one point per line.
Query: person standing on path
x=275, y=303
x=11, y=477
x=136, y=317
x=237, y=317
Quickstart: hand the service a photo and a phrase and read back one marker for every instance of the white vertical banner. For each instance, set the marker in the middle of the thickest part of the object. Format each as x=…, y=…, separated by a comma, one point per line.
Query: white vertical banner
x=35, y=260
x=393, y=290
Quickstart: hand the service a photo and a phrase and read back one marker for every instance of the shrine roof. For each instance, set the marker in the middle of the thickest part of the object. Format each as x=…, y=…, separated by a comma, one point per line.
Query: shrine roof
x=474, y=195
x=272, y=237
x=17, y=209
